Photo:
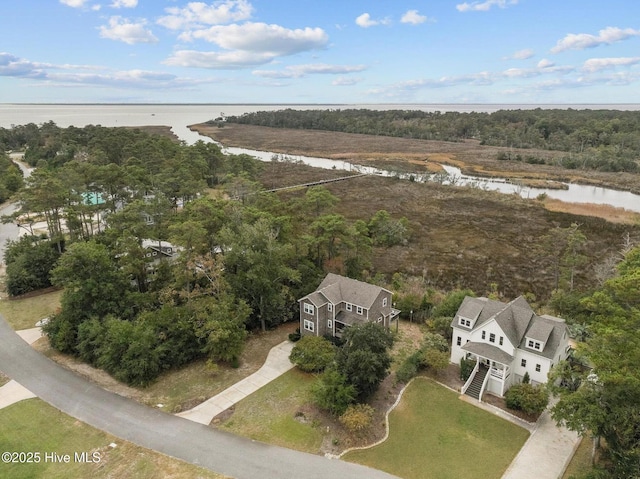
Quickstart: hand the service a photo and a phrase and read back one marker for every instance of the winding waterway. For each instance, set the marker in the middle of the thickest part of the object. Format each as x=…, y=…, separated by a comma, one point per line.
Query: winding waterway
x=178, y=117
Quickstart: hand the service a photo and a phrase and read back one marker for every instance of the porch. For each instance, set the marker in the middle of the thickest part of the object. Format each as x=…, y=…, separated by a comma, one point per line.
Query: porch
x=497, y=364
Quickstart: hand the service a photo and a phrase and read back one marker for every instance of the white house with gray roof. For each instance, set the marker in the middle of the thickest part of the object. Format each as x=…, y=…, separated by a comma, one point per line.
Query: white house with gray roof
x=340, y=302
x=507, y=340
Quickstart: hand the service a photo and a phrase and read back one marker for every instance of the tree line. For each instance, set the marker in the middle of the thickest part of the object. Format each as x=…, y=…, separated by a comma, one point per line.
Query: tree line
x=604, y=140
x=244, y=256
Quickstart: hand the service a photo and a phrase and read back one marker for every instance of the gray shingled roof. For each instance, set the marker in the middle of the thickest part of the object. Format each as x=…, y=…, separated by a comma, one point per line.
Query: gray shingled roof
x=338, y=288
x=557, y=328
x=488, y=351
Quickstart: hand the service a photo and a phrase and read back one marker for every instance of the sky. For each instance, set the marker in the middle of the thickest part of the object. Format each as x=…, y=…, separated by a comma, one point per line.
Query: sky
x=311, y=51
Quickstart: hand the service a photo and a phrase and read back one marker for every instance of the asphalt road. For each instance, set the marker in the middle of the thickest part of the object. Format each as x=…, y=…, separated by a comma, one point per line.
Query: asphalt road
x=8, y=231
x=177, y=437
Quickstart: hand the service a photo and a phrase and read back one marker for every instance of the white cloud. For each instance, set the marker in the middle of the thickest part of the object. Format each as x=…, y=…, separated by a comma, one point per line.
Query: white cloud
x=69, y=75
x=297, y=71
x=484, y=6
x=124, y=4
x=365, y=21
x=125, y=31
x=198, y=14
x=346, y=81
x=74, y=3
x=597, y=64
x=544, y=63
x=413, y=17
x=218, y=60
x=607, y=36
x=260, y=37
x=522, y=54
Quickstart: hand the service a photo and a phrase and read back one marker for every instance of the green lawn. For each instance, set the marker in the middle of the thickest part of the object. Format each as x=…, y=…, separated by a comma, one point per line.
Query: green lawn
x=25, y=313
x=34, y=426
x=435, y=435
x=269, y=414
x=581, y=461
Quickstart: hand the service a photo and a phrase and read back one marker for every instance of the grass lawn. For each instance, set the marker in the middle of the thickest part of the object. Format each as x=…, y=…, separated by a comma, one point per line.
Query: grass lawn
x=581, y=460
x=25, y=313
x=434, y=435
x=269, y=414
x=34, y=426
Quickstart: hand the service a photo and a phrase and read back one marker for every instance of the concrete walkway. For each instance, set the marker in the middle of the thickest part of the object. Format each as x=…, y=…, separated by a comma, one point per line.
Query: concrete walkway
x=277, y=364
x=546, y=453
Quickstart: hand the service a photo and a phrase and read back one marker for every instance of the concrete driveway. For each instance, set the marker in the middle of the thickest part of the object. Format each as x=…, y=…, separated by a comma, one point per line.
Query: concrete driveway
x=177, y=437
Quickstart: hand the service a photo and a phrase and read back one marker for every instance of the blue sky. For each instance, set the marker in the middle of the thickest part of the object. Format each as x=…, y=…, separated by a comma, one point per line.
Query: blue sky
x=304, y=51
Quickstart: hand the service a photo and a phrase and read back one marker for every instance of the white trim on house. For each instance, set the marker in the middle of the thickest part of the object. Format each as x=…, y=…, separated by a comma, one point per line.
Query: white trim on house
x=499, y=336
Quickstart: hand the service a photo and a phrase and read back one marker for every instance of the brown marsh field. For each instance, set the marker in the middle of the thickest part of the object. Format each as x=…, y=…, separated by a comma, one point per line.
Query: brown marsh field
x=461, y=236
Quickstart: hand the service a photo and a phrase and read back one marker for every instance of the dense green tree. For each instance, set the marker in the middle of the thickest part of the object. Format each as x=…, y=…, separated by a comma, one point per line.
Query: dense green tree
x=313, y=354
x=29, y=262
x=607, y=401
x=332, y=392
x=364, y=358
x=260, y=270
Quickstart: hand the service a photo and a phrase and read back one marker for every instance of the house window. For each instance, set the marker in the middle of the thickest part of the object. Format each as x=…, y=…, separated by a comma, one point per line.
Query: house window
x=384, y=302
x=359, y=309
x=380, y=319
x=464, y=322
x=492, y=338
x=330, y=324
x=309, y=325
x=501, y=340
x=459, y=341
x=537, y=368
x=534, y=344
x=308, y=308
x=330, y=307
x=484, y=335
x=349, y=307
x=523, y=363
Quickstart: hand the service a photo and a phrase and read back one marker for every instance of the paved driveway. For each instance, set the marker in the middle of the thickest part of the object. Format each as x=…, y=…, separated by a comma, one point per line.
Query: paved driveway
x=177, y=437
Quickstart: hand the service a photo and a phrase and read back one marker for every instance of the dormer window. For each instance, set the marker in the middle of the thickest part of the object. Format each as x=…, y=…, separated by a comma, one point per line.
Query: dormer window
x=464, y=322
x=358, y=309
x=532, y=344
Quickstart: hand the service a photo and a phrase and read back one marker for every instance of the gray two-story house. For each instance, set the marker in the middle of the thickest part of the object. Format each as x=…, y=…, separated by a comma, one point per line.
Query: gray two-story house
x=340, y=302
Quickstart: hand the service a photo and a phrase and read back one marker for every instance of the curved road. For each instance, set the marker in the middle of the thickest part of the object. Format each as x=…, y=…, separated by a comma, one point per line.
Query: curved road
x=177, y=437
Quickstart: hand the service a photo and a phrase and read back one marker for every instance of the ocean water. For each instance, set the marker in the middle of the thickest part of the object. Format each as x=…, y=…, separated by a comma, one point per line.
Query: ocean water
x=179, y=116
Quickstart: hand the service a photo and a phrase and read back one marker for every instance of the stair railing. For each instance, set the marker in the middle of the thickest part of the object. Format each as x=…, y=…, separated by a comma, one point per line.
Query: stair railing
x=464, y=388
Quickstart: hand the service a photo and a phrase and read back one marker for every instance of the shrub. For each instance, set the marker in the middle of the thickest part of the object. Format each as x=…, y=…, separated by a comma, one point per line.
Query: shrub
x=409, y=367
x=312, y=354
x=527, y=398
x=437, y=360
x=332, y=392
x=357, y=417
x=450, y=304
x=466, y=368
x=295, y=336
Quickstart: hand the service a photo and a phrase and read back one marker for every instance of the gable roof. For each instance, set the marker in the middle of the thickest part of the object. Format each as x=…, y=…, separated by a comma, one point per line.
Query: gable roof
x=516, y=319
x=336, y=289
